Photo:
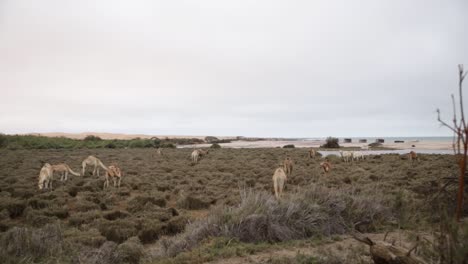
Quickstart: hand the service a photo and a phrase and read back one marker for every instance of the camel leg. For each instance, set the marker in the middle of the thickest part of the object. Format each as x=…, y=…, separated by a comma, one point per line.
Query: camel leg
x=94, y=170
x=66, y=175
x=98, y=171
x=120, y=179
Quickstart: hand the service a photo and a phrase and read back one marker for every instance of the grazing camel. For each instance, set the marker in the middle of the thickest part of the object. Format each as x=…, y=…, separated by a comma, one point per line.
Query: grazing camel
x=64, y=169
x=346, y=155
x=198, y=153
x=92, y=161
x=45, y=177
x=413, y=156
x=279, y=178
x=326, y=166
x=358, y=155
x=312, y=153
x=288, y=166
x=113, y=172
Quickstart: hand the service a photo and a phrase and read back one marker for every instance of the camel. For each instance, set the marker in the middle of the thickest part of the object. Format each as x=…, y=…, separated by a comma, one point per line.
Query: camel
x=64, y=169
x=279, y=178
x=312, y=153
x=326, y=166
x=413, y=156
x=45, y=177
x=346, y=155
x=92, y=161
x=198, y=153
x=113, y=172
x=288, y=166
x=358, y=155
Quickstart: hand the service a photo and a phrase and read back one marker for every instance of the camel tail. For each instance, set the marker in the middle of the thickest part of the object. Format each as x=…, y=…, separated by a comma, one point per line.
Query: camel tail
x=102, y=165
x=72, y=172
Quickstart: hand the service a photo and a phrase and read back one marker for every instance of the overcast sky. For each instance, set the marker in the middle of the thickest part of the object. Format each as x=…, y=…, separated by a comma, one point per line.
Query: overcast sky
x=252, y=68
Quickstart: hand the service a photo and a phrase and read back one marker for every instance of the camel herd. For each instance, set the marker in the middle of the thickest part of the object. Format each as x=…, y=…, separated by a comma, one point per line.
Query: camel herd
x=113, y=172
x=46, y=174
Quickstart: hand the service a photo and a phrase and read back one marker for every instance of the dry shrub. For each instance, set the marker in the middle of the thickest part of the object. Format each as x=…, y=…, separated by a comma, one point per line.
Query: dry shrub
x=24, y=243
x=79, y=219
x=15, y=207
x=90, y=237
x=151, y=230
x=131, y=251
x=139, y=203
x=316, y=211
x=82, y=205
x=36, y=203
x=103, y=255
x=116, y=214
x=118, y=230
x=176, y=225
x=192, y=202
x=37, y=218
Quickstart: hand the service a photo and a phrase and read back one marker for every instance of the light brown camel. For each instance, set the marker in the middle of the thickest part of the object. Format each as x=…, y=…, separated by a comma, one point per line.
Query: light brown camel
x=113, y=172
x=64, y=169
x=279, y=179
x=197, y=154
x=312, y=153
x=45, y=177
x=413, y=156
x=288, y=166
x=326, y=166
x=92, y=161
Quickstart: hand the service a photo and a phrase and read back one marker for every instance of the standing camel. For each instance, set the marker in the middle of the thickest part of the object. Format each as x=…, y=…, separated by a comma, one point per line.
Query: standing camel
x=326, y=166
x=64, y=169
x=113, y=172
x=92, y=161
x=413, y=156
x=45, y=177
x=312, y=153
x=279, y=178
x=288, y=166
x=198, y=153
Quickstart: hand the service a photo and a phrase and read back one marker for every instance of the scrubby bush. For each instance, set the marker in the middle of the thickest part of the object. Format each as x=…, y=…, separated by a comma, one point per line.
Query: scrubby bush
x=118, y=230
x=79, y=219
x=23, y=243
x=131, y=251
x=192, y=202
x=92, y=138
x=331, y=142
x=138, y=203
x=289, y=146
x=260, y=217
x=215, y=146
x=90, y=237
x=176, y=225
x=151, y=230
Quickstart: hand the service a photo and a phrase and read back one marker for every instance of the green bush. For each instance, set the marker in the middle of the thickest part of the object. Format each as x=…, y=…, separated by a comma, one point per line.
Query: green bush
x=92, y=138
x=331, y=142
x=215, y=146
x=289, y=146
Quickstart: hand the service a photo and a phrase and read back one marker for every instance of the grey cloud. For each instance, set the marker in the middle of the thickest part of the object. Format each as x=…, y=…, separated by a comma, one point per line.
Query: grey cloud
x=257, y=68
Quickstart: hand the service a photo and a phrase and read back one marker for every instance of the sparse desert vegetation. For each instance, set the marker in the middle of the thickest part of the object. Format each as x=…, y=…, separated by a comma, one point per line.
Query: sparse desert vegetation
x=168, y=207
